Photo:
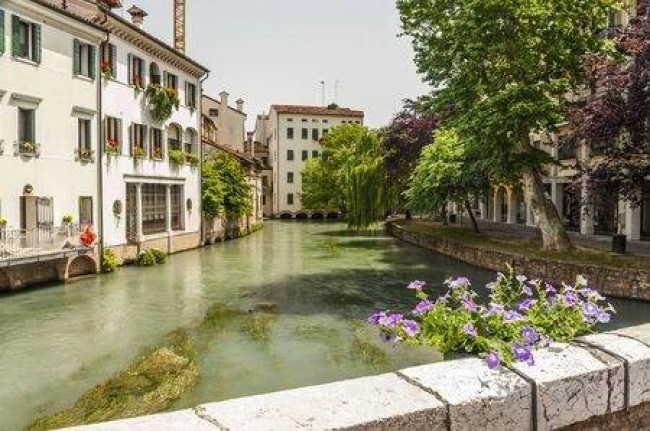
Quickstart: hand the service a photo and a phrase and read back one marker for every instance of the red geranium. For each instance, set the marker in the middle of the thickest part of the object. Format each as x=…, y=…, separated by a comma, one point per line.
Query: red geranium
x=87, y=237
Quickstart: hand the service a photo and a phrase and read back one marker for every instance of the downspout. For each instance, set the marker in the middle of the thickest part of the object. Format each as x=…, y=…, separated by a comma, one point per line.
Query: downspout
x=200, y=203
x=100, y=151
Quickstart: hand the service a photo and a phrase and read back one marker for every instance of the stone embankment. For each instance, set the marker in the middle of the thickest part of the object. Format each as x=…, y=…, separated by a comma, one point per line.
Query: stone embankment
x=615, y=282
x=600, y=382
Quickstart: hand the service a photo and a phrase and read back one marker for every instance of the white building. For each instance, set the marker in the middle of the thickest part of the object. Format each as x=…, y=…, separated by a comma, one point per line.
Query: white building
x=151, y=182
x=292, y=134
x=49, y=121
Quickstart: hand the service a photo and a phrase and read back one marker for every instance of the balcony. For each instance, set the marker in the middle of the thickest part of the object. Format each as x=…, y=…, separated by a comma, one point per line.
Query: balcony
x=18, y=246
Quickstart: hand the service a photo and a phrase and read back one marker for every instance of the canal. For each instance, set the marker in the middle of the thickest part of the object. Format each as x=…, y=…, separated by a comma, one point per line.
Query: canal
x=315, y=283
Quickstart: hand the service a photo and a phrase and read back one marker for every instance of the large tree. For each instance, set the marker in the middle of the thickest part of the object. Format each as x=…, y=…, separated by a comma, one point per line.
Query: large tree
x=613, y=119
x=403, y=140
x=350, y=174
x=505, y=66
x=446, y=172
x=225, y=191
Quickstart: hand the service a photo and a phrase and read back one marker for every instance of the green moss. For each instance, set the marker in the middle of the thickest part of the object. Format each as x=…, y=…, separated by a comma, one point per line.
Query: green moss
x=367, y=352
x=258, y=326
x=218, y=317
x=149, y=385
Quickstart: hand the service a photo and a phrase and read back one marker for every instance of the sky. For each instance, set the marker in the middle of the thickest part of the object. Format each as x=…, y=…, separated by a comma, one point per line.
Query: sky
x=278, y=51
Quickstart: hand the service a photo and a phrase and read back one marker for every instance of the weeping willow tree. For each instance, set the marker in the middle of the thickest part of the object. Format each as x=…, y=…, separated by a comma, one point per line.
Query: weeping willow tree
x=352, y=173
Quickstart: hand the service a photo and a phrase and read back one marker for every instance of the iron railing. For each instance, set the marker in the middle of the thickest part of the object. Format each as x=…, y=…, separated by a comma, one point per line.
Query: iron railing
x=42, y=241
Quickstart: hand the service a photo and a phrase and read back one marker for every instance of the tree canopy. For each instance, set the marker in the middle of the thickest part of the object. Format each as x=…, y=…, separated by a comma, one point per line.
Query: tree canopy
x=225, y=191
x=504, y=67
x=350, y=175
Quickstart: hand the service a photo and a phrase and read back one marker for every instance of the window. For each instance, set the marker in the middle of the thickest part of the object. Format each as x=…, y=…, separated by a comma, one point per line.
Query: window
x=177, y=207
x=154, y=208
x=138, y=137
x=213, y=112
x=314, y=154
x=154, y=73
x=157, y=152
x=174, y=139
x=85, y=210
x=84, y=59
x=190, y=95
x=265, y=161
x=358, y=122
x=305, y=155
x=326, y=121
x=304, y=120
x=26, y=126
x=113, y=143
x=109, y=60
x=305, y=133
x=290, y=155
x=290, y=120
x=26, y=39
x=84, y=136
x=290, y=199
x=265, y=181
x=314, y=134
x=290, y=133
x=136, y=71
x=171, y=80
x=290, y=177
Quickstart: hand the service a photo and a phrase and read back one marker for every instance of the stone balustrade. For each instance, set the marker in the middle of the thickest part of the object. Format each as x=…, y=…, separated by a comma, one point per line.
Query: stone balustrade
x=600, y=382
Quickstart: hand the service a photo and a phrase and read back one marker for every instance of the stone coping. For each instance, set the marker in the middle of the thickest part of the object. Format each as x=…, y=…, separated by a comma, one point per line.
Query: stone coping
x=601, y=381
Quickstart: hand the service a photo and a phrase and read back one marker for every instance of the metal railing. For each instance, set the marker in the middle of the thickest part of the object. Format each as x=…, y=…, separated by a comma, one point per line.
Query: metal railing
x=42, y=241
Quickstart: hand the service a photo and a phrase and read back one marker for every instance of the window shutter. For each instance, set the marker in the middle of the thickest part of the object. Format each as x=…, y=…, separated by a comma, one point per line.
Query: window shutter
x=2, y=31
x=187, y=93
x=131, y=139
x=130, y=67
x=92, y=59
x=145, y=144
x=38, y=49
x=164, y=82
x=15, y=35
x=113, y=53
x=32, y=127
x=76, y=58
x=119, y=133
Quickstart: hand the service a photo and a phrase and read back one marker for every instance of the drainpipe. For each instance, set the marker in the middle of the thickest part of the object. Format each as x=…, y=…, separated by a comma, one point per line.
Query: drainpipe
x=200, y=203
x=100, y=152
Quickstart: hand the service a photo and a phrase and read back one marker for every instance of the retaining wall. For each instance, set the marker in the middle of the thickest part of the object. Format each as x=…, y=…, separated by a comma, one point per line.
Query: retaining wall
x=601, y=382
x=620, y=283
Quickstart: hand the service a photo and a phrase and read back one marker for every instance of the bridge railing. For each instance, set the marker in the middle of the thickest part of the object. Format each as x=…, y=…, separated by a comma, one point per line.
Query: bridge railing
x=45, y=240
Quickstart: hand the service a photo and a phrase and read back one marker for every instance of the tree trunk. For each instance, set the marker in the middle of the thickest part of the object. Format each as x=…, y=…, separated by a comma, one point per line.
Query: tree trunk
x=554, y=235
x=470, y=212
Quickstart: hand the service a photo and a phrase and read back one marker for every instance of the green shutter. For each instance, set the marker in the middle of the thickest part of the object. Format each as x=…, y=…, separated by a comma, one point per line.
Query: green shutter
x=92, y=66
x=113, y=51
x=38, y=49
x=15, y=35
x=2, y=31
x=76, y=58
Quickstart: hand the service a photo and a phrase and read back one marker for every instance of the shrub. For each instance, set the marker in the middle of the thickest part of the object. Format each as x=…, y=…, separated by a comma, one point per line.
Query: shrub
x=522, y=315
x=67, y=219
x=109, y=262
x=159, y=256
x=150, y=257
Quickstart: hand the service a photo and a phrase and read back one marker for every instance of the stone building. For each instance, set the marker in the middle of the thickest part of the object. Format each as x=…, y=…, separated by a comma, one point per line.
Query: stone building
x=291, y=135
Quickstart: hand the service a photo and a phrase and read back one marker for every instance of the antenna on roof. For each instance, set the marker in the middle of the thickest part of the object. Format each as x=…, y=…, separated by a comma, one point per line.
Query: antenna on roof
x=322, y=83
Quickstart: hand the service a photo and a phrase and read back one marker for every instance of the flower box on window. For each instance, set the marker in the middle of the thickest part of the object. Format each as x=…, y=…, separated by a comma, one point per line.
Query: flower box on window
x=176, y=157
x=192, y=159
x=107, y=70
x=112, y=147
x=162, y=100
x=138, y=86
x=137, y=152
x=157, y=154
x=28, y=149
x=85, y=155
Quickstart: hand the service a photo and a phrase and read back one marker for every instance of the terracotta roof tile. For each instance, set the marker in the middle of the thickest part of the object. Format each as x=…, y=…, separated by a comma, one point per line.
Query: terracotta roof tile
x=332, y=110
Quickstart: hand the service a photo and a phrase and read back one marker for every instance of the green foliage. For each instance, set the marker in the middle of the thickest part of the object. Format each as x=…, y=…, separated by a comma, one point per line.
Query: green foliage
x=177, y=157
x=151, y=257
x=3, y=222
x=67, y=219
x=225, y=189
x=164, y=100
x=109, y=261
x=351, y=175
x=192, y=159
x=445, y=171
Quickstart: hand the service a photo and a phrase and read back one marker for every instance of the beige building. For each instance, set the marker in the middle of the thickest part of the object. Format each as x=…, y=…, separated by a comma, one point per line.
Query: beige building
x=230, y=121
x=291, y=135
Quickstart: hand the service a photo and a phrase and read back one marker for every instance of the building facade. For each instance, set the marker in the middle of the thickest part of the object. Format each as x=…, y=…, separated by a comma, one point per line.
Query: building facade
x=230, y=121
x=292, y=135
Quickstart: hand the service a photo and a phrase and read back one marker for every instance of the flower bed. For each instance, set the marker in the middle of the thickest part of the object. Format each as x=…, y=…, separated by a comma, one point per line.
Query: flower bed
x=522, y=316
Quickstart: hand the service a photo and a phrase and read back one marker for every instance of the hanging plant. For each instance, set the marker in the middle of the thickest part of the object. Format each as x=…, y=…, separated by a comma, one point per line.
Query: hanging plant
x=192, y=159
x=176, y=157
x=163, y=101
x=107, y=70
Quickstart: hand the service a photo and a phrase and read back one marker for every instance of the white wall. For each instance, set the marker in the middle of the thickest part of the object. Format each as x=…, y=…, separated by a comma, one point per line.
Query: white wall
x=56, y=173
x=119, y=101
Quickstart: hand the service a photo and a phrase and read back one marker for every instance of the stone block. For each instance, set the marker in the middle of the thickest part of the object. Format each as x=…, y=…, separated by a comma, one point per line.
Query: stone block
x=637, y=355
x=478, y=398
x=184, y=420
x=573, y=385
x=640, y=333
x=382, y=402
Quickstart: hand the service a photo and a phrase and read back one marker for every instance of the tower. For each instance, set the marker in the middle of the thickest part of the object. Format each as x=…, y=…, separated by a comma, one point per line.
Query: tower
x=179, y=25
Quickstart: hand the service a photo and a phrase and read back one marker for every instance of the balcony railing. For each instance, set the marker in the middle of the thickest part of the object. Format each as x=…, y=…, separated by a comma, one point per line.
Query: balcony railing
x=18, y=244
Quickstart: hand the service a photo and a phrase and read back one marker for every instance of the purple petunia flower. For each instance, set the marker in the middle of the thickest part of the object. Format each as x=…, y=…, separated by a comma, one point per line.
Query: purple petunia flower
x=492, y=360
x=470, y=330
x=529, y=335
x=410, y=327
x=521, y=278
x=528, y=291
x=416, y=285
x=494, y=309
x=444, y=299
x=571, y=298
x=511, y=316
x=523, y=354
x=550, y=289
x=468, y=303
x=590, y=311
x=376, y=317
x=526, y=305
x=603, y=317
x=392, y=319
x=458, y=282
x=423, y=307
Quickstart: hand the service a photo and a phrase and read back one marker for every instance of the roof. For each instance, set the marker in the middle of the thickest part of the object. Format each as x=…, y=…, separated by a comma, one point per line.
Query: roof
x=218, y=102
x=68, y=14
x=331, y=110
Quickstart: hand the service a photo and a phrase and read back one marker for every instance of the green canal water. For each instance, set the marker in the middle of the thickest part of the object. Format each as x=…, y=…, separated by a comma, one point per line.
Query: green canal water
x=316, y=281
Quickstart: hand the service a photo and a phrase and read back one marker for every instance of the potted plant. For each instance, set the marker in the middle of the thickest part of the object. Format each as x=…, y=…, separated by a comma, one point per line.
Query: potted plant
x=176, y=157
x=85, y=154
x=157, y=154
x=137, y=85
x=107, y=70
x=67, y=220
x=28, y=148
x=3, y=223
x=112, y=147
x=192, y=159
x=137, y=152
x=162, y=101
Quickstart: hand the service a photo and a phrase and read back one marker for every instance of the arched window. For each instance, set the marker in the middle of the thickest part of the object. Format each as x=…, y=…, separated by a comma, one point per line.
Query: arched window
x=154, y=73
x=191, y=141
x=174, y=138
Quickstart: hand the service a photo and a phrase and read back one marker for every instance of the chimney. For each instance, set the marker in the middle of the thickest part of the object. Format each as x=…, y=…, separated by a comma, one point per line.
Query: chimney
x=179, y=26
x=251, y=143
x=240, y=105
x=224, y=101
x=137, y=15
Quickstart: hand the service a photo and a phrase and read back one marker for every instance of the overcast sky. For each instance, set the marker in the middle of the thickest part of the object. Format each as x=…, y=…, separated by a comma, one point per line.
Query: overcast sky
x=277, y=51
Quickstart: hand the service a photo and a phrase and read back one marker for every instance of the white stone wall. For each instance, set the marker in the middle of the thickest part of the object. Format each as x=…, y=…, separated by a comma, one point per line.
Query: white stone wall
x=59, y=98
x=120, y=101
